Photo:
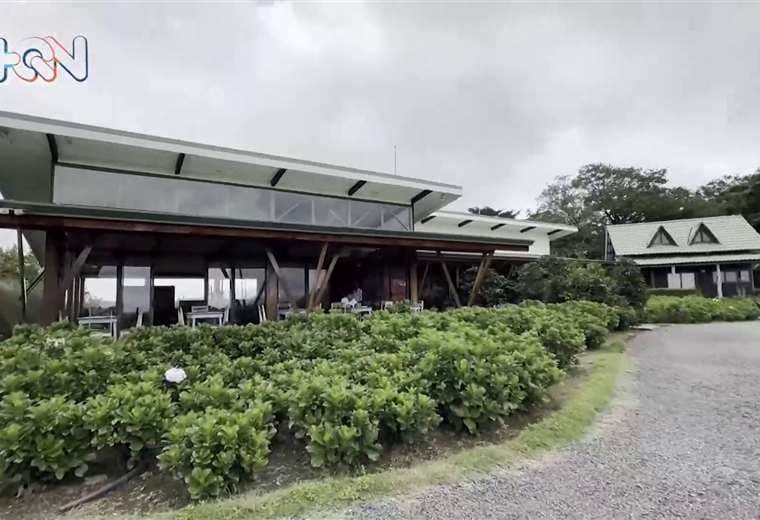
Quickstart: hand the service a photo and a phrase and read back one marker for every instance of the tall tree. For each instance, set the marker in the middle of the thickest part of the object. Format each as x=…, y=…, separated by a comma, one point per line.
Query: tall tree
x=562, y=202
x=488, y=211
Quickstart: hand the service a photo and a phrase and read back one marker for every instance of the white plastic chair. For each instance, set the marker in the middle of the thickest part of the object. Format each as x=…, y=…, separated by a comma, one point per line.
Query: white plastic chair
x=262, y=313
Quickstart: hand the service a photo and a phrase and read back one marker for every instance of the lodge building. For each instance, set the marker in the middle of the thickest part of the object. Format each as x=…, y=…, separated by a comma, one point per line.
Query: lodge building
x=142, y=230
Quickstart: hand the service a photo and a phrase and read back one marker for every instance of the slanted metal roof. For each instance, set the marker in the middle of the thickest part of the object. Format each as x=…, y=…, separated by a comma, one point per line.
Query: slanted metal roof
x=733, y=233
x=468, y=224
x=29, y=143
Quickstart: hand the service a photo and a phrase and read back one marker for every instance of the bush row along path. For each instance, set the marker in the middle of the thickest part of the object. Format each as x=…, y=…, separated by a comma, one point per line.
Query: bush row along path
x=681, y=441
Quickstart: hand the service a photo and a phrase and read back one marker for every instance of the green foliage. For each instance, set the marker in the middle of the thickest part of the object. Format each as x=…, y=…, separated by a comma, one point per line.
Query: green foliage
x=346, y=387
x=41, y=440
x=554, y=280
x=214, y=449
x=696, y=309
x=496, y=289
x=134, y=415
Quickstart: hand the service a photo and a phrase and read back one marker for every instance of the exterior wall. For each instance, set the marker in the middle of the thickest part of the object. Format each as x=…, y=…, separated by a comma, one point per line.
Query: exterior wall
x=736, y=278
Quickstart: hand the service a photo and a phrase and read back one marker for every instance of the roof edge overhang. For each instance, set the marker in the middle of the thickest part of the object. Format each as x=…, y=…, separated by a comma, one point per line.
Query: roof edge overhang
x=44, y=216
x=355, y=177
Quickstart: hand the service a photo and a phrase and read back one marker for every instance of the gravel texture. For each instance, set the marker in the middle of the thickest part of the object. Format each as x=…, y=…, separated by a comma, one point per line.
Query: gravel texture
x=682, y=440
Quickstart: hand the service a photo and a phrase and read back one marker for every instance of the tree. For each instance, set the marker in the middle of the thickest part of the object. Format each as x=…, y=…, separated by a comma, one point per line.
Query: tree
x=732, y=194
x=561, y=202
x=9, y=264
x=488, y=211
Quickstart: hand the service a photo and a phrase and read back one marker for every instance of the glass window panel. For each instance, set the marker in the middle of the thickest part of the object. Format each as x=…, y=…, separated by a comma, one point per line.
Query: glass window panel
x=206, y=199
x=365, y=214
x=688, y=281
x=292, y=207
x=730, y=276
x=674, y=281
x=219, y=287
x=330, y=212
x=744, y=276
x=295, y=279
x=136, y=295
x=185, y=289
x=100, y=292
x=249, y=294
x=396, y=218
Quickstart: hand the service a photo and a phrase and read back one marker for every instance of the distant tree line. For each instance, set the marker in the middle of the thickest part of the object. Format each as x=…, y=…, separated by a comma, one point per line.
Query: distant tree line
x=601, y=194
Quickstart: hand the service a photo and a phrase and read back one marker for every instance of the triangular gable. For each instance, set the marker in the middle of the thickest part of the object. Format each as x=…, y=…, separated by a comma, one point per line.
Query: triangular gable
x=661, y=237
x=703, y=235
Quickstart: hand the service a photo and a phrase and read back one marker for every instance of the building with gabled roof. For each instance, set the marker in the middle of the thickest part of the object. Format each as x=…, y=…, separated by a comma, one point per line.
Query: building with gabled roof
x=713, y=255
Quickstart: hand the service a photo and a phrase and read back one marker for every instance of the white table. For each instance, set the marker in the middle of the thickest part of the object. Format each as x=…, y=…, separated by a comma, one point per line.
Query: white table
x=205, y=315
x=284, y=313
x=86, y=321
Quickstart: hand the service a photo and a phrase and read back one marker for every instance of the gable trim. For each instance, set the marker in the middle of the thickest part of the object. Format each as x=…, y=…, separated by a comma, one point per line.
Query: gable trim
x=661, y=231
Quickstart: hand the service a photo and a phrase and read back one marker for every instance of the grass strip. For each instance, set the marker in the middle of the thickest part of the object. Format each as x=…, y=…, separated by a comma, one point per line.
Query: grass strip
x=567, y=424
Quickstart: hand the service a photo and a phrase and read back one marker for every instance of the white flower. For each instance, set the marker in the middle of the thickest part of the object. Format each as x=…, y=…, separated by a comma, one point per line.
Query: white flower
x=175, y=375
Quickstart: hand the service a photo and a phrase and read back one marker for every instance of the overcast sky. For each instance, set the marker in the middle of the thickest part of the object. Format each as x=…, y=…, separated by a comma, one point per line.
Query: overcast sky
x=498, y=98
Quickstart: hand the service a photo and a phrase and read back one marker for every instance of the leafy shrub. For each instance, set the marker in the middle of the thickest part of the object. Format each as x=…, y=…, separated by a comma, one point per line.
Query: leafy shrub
x=555, y=280
x=696, y=309
x=41, y=440
x=132, y=415
x=477, y=380
x=214, y=449
x=348, y=387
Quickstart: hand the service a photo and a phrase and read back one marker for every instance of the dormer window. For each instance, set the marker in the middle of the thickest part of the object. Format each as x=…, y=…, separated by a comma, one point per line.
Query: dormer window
x=703, y=236
x=662, y=238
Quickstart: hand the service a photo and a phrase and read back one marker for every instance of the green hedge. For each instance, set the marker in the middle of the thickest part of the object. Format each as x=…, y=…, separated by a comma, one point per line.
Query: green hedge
x=696, y=309
x=346, y=387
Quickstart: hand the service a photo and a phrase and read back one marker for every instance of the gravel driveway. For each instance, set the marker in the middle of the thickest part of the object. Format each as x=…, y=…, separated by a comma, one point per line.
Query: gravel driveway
x=681, y=441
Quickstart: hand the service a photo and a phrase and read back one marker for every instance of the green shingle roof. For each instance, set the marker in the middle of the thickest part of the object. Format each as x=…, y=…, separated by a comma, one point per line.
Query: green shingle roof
x=733, y=233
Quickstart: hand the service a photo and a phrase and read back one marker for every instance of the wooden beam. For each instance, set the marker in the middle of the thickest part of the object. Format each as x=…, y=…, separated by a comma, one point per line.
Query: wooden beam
x=76, y=268
x=427, y=219
x=484, y=263
x=550, y=233
x=424, y=276
x=277, y=176
x=464, y=223
x=50, y=301
x=280, y=279
x=497, y=226
x=326, y=281
x=526, y=229
x=59, y=223
x=21, y=273
x=452, y=288
x=320, y=263
x=413, y=287
x=356, y=187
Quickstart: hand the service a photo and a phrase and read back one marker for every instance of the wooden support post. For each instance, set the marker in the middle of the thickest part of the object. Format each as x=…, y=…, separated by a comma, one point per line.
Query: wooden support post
x=278, y=272
x=326, y=280
x=314, y=290
x=424, y=277
x=479, y=277
x=271, y=296
x=21, y=273
x=50, y=299
x=413, y=287
x=73, y=271
x=452, y=288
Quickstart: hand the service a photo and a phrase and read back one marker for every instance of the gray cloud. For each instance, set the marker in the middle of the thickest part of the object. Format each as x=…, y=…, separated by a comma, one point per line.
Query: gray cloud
x=499, y=98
